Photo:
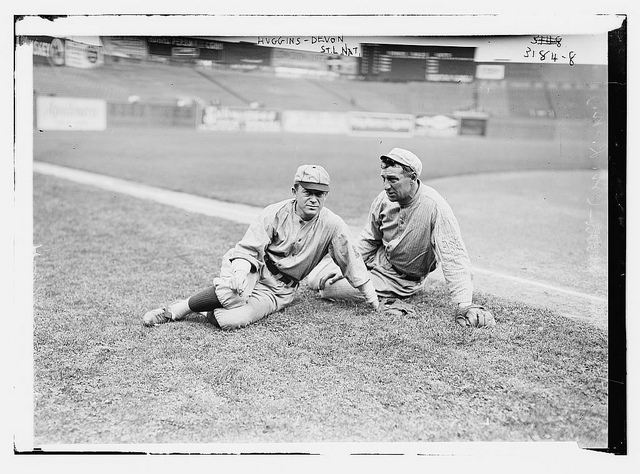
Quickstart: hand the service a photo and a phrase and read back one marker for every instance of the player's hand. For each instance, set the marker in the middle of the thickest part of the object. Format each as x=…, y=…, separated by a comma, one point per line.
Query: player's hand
x=330, y=279
x=370, y=295
x=238, y=282
x=476, y=316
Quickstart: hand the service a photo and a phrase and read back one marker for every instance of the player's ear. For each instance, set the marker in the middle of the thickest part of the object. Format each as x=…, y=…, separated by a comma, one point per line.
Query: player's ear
x=293, y=191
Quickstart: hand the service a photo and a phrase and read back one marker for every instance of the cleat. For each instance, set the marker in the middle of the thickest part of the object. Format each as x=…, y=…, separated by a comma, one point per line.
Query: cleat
x=157, y=316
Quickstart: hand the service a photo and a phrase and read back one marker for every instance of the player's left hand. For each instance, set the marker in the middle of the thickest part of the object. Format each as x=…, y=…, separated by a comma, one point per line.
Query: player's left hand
x=475, y=316
x=238, y=282
x=330, y=279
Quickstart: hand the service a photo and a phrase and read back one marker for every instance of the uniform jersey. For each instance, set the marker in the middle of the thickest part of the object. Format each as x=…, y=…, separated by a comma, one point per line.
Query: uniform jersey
x=296, y=246
x=405, y=243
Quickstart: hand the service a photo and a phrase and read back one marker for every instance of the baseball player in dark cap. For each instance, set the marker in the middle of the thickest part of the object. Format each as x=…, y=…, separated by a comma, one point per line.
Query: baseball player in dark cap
x=411, y=229
x=261, y=274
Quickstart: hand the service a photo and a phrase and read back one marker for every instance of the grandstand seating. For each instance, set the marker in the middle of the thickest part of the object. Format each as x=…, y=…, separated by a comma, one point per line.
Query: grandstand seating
x=526, y=100
x=158, y=83
x=374, y=96
x=585, y=74
x=413, y=97
x=493, y=98
x=273, y=92
x=441, y=98
x=526, y=72
x=575, y=103
x=153, y=83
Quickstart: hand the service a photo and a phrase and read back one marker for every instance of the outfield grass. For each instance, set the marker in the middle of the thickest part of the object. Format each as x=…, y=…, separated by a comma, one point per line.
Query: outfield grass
x=317, y=371
x=537, y=225
x=258, y=168
x=522, y=205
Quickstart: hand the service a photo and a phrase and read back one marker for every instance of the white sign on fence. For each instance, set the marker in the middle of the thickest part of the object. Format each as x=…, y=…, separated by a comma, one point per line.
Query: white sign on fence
x=65, y=113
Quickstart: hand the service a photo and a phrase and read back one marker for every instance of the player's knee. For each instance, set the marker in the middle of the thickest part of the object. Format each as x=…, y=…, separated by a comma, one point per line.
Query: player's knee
x=236, y=318
x=227, y=324
x=229, y=298
x=230, y=326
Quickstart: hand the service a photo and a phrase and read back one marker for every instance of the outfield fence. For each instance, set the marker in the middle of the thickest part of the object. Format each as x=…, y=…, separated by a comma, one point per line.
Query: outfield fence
x=76, y=114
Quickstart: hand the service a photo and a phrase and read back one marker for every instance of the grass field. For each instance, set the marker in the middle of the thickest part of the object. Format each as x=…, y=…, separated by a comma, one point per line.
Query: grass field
x=314, y=372
x=257, y=169
x=522, y=205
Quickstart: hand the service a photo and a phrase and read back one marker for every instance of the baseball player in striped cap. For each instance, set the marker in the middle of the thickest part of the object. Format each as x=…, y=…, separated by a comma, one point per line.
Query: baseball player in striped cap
x=261, y=274
x=411, y=229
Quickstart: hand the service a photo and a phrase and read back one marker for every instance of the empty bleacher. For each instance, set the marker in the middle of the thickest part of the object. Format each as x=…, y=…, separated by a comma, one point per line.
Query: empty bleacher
x=152, y=83
x=587, y=75
x=527, y=100
x=526, y=72
x=374, y=96
x=412, y=97
x=158, y=83
x=578, y=103
x=493, y=98
x=433, y=98
x=273, y=92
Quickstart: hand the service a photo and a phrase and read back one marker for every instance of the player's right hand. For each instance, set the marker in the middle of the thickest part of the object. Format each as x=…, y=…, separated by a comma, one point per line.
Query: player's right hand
x=330, y=279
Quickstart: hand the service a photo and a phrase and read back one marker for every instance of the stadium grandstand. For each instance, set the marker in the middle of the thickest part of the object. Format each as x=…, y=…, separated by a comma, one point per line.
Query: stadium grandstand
x=167, y=80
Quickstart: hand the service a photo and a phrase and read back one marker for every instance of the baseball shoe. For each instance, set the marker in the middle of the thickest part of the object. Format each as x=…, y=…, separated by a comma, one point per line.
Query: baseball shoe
x=160, y=316
x=157, y=316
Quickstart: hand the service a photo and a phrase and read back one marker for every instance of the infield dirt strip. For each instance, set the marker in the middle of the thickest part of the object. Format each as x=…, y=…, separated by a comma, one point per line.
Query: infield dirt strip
x=578, y=302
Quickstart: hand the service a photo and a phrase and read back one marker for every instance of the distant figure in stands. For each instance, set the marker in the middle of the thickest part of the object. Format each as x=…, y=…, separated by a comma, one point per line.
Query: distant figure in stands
x=261, y=274
x=411, y=229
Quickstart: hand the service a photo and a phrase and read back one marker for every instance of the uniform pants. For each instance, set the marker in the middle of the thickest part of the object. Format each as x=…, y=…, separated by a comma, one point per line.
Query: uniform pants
x=264, y=295
x=386, y=281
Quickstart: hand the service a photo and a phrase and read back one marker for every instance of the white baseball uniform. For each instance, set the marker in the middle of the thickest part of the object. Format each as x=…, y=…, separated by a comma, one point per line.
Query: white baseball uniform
x=402, y=244
x=282, y=249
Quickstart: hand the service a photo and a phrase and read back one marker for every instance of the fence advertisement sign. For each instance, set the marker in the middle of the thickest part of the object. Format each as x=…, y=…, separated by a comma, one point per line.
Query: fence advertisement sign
x=227, y=119
x=493, y=72
x=64, y=113
x=309, y=121
x=437, y=126
x=82, y=55
x=372, y=123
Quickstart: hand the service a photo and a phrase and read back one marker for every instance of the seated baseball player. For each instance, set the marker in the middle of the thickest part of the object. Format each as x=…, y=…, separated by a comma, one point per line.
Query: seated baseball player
x=411, y=229
x=261, y=274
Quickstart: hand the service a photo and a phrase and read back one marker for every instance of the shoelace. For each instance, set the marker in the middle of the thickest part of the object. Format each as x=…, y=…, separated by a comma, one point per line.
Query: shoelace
x=161, y=315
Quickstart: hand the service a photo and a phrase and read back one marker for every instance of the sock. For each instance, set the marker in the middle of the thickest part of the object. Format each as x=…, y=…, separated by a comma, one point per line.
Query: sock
x=180, y=309
x=205, y=300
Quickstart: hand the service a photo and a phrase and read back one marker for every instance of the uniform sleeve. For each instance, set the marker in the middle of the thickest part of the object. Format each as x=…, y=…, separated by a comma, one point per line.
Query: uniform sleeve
x=370, y=237
x=256, y=239
x=452, y=255
x=343, y=251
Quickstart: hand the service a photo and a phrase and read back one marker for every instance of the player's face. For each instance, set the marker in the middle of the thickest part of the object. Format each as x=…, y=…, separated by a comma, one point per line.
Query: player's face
x=396, y=184
x=309, y=202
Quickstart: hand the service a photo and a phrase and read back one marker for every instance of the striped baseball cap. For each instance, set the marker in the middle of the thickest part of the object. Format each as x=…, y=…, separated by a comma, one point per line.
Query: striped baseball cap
x=312, y=177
